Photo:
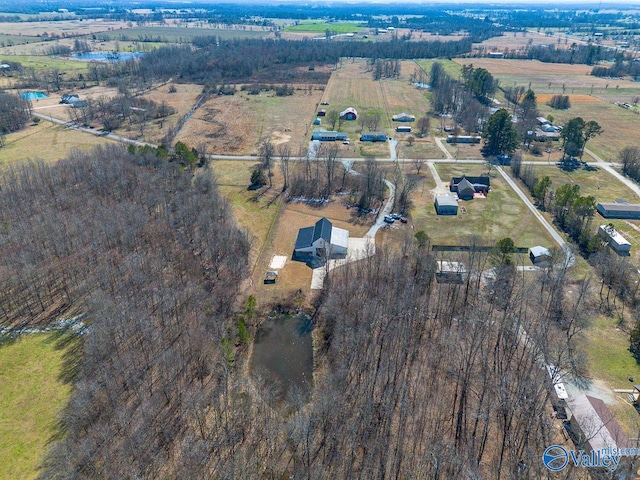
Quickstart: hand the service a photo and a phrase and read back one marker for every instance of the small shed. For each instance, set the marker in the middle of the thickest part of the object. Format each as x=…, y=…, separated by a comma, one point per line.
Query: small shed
x=317, y=121
x=616, y=241
x=271, y=276
x=539, y=255
x=349, y=113
x=403, y=129
x=322, y=113
x=446, y=205
x=451, y=272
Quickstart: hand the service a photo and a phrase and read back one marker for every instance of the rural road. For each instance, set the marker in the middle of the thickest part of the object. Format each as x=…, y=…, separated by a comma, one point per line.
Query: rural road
x=607, y=166
x=570, y=258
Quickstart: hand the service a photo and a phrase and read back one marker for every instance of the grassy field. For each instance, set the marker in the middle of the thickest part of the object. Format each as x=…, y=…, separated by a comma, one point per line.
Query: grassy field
x=450, y=67
x=606, y=346
x=501, y=214
x=48, y=63
x=314, y=26
x=598, y=183
x=180, y=34
x=46, y=141
x=8, y=39
x=620, y=126
x=30, y=398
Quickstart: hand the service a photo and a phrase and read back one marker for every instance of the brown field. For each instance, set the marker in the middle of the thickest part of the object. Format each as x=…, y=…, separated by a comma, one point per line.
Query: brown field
x=235, y=124
x=68, y=27
x=46, y=141
x=573, y=98
x=421, y=148
x=517, y=40
x=181, y=101
x=525, y=68
x=620, y=126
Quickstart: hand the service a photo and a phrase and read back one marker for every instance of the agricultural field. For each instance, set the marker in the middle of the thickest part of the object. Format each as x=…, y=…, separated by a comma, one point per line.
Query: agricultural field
x=320, y=27
x=31, y=397
x=47, y=141
x=501, y=214
x=592, y=98
x=516, y=41
x=8, y=39
x=235, y=124
x=352, y=85
x=181, y=34
x=68, y=27
x=450, y=67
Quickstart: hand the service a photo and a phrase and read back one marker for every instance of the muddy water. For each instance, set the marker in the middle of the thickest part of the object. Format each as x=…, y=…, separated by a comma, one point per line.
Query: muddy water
x=283, y=355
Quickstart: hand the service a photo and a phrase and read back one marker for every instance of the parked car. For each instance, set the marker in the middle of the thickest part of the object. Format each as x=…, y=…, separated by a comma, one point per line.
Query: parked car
x=395, y=216
x=388, y=219
x=403, y=219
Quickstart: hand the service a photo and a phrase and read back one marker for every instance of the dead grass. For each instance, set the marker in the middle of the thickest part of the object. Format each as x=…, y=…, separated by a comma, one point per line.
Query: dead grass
x=525, y=68
x=235, y=124
x=620, y=126
x=515, y=40
x=68, y=27
x=573, y=98
x=181, y=101
x=46, y=141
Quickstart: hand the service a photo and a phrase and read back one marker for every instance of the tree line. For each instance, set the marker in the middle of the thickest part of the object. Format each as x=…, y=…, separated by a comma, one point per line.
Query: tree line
x=15, y=112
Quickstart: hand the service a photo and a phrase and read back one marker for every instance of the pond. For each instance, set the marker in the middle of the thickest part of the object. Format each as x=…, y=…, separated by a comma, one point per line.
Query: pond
x=283, y=354
x=107, y=56
x=34, y=95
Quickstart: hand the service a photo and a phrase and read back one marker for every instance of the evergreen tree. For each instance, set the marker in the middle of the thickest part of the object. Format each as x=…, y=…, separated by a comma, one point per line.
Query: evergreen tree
x=500, y=135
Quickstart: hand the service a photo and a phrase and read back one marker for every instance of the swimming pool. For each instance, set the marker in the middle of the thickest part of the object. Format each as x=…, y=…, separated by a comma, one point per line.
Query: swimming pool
x=107, y=56
x=33, y=95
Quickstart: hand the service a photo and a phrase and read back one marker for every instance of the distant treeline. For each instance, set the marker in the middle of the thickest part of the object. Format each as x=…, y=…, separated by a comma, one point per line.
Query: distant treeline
x=583, y=54
x=618, y=69
x=232, y=60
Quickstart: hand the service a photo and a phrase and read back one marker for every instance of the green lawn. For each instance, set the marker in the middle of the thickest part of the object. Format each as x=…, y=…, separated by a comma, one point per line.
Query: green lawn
x=7, y=40
x=322, y=27
x=502, y=214
x=43, y=62
x=450, y=67
x=31, y=396
x=598, y=183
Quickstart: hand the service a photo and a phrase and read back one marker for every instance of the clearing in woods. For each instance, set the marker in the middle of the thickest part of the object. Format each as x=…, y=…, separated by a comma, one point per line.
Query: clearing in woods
x=31, y=397
x=235, y=124
x=47, y=141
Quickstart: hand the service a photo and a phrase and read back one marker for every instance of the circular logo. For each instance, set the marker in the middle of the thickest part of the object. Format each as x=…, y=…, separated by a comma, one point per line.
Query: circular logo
x=555, y=458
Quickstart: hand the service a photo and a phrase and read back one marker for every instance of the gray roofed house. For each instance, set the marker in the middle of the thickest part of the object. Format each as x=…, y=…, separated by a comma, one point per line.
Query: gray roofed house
x=481, y=184
x=322, y=240
x=465, y=189
x=619, y=210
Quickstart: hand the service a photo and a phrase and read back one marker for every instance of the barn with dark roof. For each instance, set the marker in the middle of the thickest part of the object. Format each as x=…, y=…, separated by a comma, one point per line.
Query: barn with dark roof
x=321, y=240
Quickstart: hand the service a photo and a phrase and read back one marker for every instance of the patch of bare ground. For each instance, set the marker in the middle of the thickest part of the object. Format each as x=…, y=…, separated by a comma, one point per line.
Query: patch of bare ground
x=235, y=124
x=182, y=100
x=515, y=41
x=499, y=66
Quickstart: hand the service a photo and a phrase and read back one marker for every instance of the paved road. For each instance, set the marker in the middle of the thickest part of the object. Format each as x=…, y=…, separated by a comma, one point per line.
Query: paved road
x=443, y=148
x=570, y=258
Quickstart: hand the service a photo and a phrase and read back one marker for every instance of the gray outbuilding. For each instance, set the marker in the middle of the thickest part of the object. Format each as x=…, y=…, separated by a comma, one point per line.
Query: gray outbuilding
x=446, y=205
